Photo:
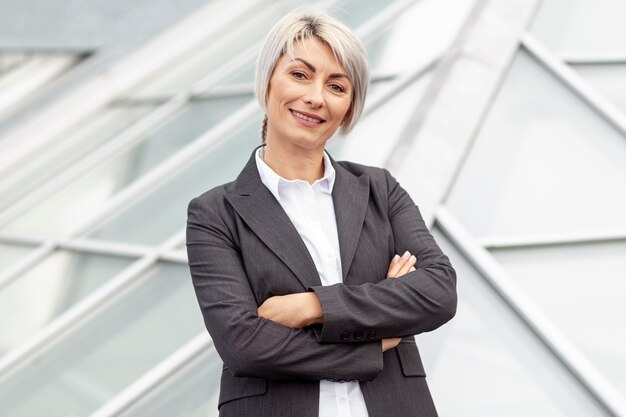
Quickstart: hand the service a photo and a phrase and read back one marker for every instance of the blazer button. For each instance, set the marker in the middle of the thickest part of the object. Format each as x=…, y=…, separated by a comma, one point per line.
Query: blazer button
x=345, y=335
x=358, y=335
x=371, y=335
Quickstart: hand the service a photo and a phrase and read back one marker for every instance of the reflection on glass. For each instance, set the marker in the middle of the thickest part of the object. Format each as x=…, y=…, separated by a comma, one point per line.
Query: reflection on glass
x=191, y=392
x=128, y=338
x=10, y=254
x=142, y=223
x=48, y=289
x=80, y=198
x=581, y=287
x=486, y=362
x=67, y=150
x=543, y=163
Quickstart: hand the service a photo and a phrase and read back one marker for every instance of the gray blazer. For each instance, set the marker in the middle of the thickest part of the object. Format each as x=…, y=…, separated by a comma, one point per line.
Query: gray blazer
x=243, y=249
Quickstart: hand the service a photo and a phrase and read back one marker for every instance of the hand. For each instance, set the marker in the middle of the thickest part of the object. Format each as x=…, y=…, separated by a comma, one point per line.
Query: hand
x=390, y=343
x=296, y=310
x=400, y=265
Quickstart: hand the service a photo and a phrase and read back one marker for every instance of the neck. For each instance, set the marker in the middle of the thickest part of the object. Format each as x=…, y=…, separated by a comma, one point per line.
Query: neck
x=294, y=163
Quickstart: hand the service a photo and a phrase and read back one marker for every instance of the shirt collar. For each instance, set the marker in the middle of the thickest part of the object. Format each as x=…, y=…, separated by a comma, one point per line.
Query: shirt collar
x=272, y=180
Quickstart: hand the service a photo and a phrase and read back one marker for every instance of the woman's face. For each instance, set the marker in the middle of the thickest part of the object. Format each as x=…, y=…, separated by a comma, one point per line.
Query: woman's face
x=308, y=97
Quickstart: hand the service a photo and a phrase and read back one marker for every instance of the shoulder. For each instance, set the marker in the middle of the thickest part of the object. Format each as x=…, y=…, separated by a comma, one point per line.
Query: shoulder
x=211, y=202
x=380, y=178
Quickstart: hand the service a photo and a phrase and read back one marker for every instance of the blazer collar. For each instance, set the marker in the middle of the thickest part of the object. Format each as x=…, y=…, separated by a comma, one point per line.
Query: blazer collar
x=258, y=207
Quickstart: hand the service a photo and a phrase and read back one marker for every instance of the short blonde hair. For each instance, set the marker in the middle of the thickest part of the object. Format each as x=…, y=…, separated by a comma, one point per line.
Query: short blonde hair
x=308, y=23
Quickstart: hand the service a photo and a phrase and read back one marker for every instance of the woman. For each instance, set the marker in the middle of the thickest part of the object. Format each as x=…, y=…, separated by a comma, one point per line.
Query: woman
x=296, y=263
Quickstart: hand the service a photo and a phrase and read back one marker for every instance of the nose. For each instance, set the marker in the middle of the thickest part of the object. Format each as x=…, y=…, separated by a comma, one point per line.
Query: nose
x=315, y=95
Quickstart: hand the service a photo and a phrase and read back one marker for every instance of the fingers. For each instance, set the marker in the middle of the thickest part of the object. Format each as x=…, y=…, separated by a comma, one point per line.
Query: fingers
x=400, y=265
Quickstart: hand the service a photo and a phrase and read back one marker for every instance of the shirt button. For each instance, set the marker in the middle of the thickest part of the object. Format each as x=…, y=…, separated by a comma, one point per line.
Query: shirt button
x=358, y=335
x=345, y=335
x=371, y=335
x=342, y=400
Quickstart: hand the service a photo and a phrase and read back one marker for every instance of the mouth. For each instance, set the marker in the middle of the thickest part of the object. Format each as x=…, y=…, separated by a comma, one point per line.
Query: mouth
x=307, y=117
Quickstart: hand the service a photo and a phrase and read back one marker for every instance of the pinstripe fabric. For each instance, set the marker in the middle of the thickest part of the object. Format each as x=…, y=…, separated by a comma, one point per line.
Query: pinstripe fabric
x=243, y=249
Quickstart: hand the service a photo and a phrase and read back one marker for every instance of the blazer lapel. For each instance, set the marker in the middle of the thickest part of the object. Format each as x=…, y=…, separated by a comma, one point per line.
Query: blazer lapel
x=350, y=198
x=266, y=218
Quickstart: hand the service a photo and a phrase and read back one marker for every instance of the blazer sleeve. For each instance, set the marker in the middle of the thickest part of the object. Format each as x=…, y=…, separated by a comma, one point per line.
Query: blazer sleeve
x=250, y=345
x=416, y=302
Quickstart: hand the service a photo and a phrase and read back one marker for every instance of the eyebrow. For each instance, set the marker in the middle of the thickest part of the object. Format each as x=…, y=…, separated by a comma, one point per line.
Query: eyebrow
x=312, y=68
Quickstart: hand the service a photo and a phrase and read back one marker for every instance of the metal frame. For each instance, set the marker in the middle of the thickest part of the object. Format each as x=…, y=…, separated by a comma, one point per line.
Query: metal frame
x=552, y=239
x=560, y=347
x=575, y=82
x=156, y=376
x=124, y=74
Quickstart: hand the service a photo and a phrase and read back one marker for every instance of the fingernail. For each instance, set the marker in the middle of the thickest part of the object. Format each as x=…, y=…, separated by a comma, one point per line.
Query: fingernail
x=412, y=269
x=412, y=258
x=395, y=258
x=406, y=255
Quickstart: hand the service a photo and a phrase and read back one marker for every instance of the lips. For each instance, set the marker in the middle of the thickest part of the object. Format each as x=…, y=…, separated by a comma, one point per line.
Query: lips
x=307, y=116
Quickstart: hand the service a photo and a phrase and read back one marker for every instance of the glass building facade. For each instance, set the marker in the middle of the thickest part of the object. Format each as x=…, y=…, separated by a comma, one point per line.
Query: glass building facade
x=505, y=120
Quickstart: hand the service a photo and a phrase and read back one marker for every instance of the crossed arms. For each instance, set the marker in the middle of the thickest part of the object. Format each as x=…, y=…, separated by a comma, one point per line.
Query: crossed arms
x=252, y=345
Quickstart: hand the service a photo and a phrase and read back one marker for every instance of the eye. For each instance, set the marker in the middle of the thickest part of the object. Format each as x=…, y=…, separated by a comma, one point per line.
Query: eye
x=298, y=75
x=338, y=88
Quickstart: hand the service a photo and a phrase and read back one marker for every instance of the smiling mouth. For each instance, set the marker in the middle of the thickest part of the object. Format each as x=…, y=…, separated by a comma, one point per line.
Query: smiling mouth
x=308, y=118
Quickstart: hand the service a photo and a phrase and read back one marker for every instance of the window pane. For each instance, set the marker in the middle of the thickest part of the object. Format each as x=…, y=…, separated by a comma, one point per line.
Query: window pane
x=544, y=162
x=609, y=81
x=581, y=287
x=191, y=392
x=486, y=362
x=80, y=373
x=49, y=289
x=10, y=254
x=81, y=197
x=141, y=223
x=582, y=26
x=67, y=150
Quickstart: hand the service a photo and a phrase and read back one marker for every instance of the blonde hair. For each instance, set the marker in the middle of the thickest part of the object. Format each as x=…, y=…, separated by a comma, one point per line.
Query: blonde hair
x=308, y=23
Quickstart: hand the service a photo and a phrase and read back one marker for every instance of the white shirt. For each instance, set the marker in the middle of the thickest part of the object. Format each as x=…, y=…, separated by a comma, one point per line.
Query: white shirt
x=311, y=210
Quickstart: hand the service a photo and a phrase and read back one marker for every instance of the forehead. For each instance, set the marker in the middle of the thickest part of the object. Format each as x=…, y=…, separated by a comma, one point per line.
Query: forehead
x=316, y=52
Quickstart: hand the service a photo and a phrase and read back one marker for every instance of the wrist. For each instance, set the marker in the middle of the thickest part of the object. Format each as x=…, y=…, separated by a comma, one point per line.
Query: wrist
x=314, y=313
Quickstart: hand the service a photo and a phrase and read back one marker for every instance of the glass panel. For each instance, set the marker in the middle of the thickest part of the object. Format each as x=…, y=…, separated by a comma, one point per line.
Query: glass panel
x=141, y=223
x=11, y=254
x=582, y=27
x=255, y=24
x=80, y=373
x=543, y=163
x=581, y=287
x=608, y=79
x=53, y=285
x=191, y=392
x=81, y=197
x=421, y=32
x=67, y=150
x=486, y=362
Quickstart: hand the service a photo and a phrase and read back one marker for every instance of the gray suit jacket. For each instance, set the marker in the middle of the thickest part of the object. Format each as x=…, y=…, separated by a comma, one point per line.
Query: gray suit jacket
x=243, y=249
